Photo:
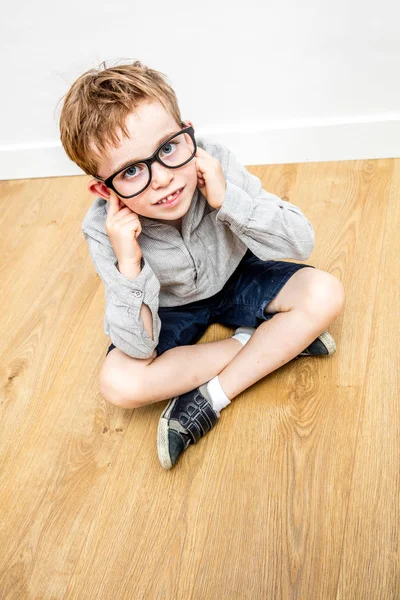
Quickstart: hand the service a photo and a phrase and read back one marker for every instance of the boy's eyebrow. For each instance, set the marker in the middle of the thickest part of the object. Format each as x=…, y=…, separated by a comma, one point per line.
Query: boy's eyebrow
x=130, y=161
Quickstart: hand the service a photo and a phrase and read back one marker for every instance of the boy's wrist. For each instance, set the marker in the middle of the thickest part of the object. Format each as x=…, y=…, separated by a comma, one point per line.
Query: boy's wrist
x=130, y=269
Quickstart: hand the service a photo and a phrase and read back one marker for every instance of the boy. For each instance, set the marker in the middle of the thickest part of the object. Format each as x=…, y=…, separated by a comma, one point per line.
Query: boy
x=182, y=236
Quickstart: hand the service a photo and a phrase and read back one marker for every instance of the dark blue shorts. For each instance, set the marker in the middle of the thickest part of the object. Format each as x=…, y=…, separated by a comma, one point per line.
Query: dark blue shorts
x=241, y=302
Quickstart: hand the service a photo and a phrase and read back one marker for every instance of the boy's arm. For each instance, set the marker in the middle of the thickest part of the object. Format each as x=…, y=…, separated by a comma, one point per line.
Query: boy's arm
x=130, y=297
x=272, y=228
x=131, y=272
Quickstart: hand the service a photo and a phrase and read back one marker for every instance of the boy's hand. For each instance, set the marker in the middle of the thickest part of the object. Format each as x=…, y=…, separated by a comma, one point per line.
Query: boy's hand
x=210, y=178
x=123, y=228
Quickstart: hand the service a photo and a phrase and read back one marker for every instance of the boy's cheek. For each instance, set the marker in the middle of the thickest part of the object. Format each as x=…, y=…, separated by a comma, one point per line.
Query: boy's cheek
x=194, y=176
x=134, y=206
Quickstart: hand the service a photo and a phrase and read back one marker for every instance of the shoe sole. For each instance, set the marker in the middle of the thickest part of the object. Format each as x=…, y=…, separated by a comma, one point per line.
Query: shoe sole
x=162, y=439
x=162, y=444
x=328, y=342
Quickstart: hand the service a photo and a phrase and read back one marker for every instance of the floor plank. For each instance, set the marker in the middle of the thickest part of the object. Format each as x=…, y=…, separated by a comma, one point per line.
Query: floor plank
x=371, y=553
x=294, y=494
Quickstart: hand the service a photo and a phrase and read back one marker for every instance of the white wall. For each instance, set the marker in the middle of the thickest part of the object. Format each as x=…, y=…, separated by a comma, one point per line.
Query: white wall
x=287, y=81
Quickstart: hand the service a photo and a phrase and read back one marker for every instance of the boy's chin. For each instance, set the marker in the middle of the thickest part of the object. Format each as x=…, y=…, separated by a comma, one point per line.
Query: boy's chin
x=170, y=215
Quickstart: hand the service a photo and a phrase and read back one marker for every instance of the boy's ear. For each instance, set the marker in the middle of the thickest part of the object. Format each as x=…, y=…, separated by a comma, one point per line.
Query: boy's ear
x=98, y=188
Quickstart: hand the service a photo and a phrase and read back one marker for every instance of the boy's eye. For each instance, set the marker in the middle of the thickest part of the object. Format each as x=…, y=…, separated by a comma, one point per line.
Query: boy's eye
x=132, y=171
x=136, y=170
x=168, y=145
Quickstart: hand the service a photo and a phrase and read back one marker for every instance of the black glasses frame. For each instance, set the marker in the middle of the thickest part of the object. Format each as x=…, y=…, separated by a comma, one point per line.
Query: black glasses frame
x=149, y=161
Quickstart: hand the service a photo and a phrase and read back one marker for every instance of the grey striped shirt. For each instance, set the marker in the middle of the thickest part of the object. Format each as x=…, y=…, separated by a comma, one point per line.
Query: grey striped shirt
x=181, y=268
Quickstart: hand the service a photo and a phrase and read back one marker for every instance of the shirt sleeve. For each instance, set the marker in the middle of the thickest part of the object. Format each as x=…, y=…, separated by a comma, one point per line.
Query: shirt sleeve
x=124, y=297
x=273, y=229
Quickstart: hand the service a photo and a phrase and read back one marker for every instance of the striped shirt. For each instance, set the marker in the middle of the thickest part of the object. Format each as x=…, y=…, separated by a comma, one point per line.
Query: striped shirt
x=178, y=268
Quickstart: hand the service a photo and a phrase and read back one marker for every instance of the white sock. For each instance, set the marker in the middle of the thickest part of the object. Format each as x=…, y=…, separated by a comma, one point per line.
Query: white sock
x=212, y=390
x=214, y=393
x=243, y=334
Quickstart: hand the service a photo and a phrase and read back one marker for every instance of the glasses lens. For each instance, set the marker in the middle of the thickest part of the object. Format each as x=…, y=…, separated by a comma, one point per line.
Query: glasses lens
x=176, y=152
x=133, y=180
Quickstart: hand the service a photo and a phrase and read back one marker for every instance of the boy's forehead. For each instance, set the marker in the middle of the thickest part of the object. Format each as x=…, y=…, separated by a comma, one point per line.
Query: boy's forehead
x=148, y=126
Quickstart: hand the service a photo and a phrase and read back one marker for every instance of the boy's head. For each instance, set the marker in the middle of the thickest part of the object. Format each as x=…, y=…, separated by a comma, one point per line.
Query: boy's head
x=120, y=115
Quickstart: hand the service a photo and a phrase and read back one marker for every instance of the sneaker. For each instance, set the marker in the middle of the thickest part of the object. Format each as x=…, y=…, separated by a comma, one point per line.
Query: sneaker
x=324, y=344
x=184, y=421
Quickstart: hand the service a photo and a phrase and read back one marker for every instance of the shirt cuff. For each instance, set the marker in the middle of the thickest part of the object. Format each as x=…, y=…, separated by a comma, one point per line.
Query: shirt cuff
x=141, y=289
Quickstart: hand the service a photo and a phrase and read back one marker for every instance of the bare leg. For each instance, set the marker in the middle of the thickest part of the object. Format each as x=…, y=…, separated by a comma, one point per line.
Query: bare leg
x=184, y=368
x=303, y=309
x=176, y=371
x=274, y=343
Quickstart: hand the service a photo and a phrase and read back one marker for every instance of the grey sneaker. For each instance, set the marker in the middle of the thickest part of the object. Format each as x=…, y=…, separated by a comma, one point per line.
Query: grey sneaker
x=184, y=421
x=324, y=344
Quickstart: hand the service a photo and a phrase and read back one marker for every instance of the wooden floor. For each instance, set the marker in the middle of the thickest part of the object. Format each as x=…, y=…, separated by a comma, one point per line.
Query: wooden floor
x=293, y=495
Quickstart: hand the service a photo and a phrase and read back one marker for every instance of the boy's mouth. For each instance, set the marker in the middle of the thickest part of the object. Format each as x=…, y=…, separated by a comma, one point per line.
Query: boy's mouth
x=169, y=199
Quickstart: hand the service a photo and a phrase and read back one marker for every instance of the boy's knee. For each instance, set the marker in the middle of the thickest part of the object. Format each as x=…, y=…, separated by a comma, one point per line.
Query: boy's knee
x=122, y=379
x=336, y=295
x=111, y=387
x=327, y=293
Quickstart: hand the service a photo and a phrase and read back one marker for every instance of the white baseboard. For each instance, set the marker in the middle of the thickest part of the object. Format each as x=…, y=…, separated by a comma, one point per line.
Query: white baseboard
x=253, y=144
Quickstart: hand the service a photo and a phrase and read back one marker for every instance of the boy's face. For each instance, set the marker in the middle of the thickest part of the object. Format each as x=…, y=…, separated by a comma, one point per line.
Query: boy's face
x=148, y=126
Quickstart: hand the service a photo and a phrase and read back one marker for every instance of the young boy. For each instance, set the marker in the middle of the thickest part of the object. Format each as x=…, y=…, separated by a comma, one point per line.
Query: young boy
x=182, y=236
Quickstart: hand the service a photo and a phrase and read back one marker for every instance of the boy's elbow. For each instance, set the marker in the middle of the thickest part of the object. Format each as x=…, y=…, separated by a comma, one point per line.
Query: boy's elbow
x=144, y=355
x=309, y=244
x=139, y=350
x=303, y=241
x=308, y=251
x=142, y=352
x=304, y=250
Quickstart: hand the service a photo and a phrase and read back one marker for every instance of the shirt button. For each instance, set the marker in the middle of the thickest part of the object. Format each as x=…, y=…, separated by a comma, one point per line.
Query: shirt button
x=137, y=293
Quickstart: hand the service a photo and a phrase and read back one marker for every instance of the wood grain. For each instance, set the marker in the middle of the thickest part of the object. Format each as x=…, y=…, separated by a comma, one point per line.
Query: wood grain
x=293, y=495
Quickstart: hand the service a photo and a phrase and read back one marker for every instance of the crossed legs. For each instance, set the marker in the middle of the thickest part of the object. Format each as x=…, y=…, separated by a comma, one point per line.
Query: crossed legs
x=305, y=306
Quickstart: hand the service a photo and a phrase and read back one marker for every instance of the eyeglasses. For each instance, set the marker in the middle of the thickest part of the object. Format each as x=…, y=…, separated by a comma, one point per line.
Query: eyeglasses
x=133, y=179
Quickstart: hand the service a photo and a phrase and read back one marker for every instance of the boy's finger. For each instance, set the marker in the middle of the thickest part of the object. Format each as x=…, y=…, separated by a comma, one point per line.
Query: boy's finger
x=114, y=205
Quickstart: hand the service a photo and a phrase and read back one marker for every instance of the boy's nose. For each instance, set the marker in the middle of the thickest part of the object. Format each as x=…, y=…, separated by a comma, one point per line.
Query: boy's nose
x=160, y=175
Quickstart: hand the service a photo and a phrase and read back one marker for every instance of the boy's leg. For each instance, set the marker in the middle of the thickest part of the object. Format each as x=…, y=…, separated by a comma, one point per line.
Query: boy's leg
x=303, y=308
x=177, y=366
x=307, y=304
x=130, y=382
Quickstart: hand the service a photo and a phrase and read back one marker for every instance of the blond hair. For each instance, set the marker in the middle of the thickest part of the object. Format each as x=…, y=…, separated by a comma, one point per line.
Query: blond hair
x=98, y=103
